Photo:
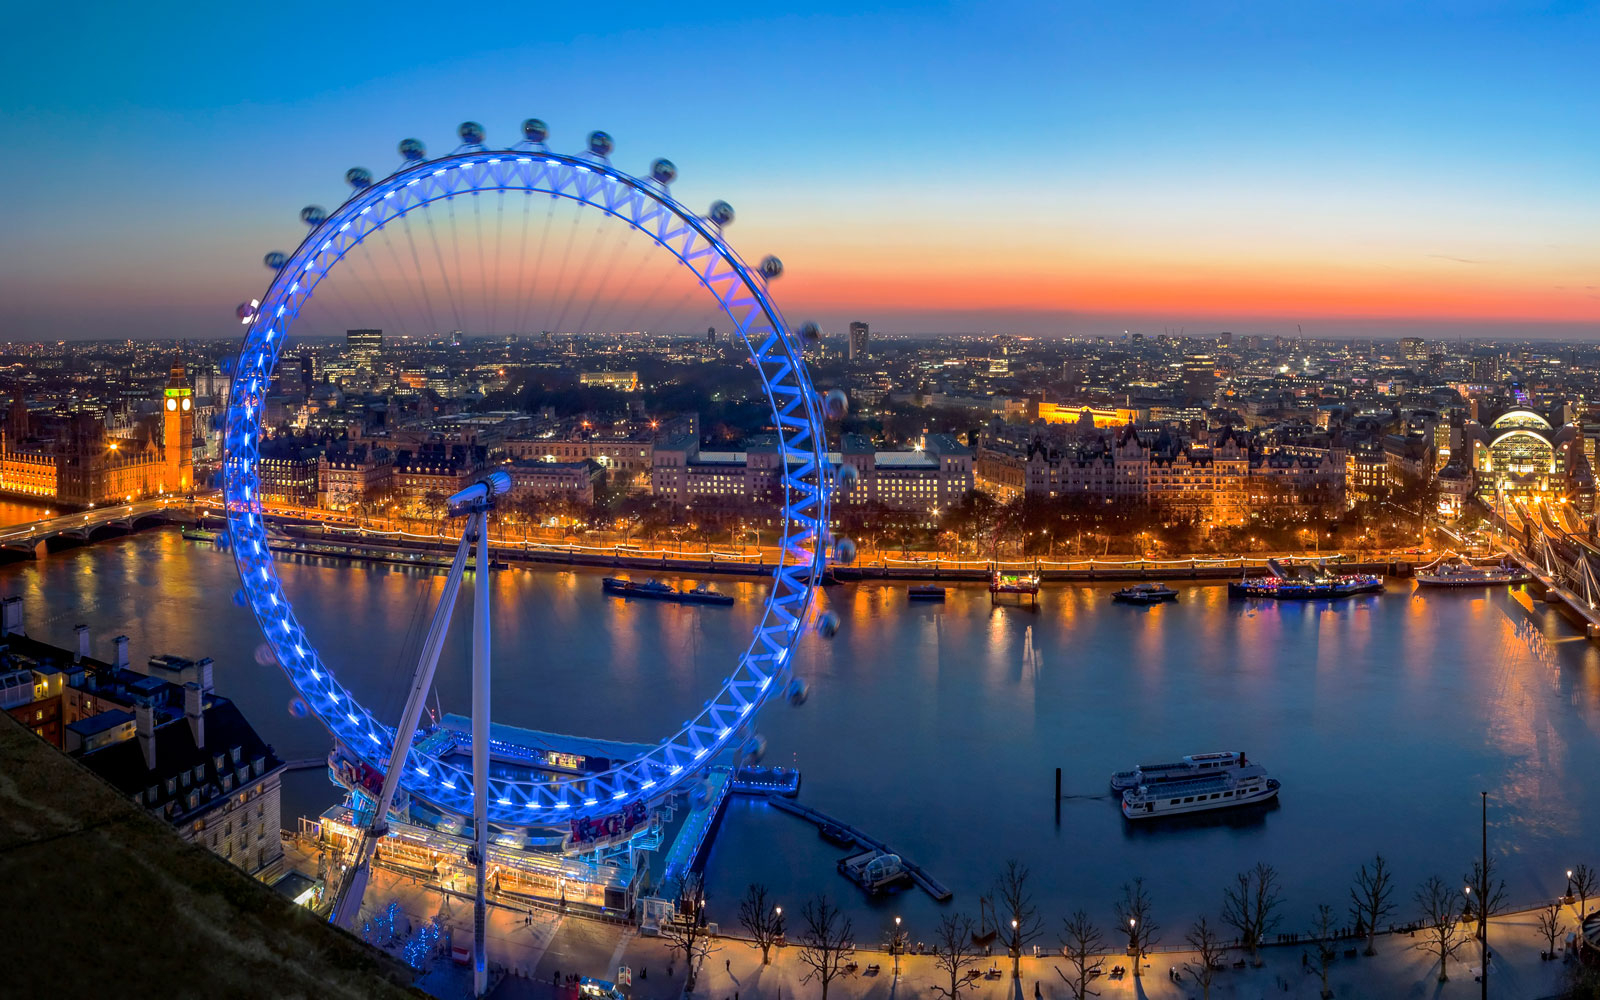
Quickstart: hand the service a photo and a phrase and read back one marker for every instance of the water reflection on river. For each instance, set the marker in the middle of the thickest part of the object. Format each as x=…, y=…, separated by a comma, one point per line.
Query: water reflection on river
x=938, y=728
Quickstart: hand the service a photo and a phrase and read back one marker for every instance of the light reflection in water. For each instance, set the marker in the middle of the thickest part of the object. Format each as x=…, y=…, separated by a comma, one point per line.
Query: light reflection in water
x=930, y=726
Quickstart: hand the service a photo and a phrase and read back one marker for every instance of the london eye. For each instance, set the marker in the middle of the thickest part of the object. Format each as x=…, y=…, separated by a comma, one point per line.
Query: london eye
x=532, y=798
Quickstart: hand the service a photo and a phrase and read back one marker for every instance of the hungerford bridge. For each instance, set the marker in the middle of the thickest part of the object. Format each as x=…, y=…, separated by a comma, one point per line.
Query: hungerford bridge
x=1552, y=542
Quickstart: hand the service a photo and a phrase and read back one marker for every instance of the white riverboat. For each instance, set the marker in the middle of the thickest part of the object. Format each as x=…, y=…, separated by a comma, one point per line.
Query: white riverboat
x=1460, y=573
x=1195, y=765
x=1239, y=786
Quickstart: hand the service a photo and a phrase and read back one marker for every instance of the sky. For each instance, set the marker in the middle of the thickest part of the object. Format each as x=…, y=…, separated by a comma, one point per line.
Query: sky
x=1351, y=167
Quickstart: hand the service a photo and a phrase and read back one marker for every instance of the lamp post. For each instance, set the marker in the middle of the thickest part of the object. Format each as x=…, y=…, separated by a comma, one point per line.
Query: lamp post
x=1568, y=898
x=1133, y=946
x=1016, y=952
x=1483, y=925
x=898, y=944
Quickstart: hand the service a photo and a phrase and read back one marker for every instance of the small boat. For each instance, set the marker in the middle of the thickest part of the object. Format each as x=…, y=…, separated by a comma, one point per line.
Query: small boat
x=925, y=592
x=1195, y=765
x=835, y=834
x=655, y=590
x=875, y=871
x=1018, y=584
x=1238, y=786
x=1145, y=594
x=198, y=535
x=1465, y=574
x=1013, y=583
x=1307, y=590
x=1305, y=583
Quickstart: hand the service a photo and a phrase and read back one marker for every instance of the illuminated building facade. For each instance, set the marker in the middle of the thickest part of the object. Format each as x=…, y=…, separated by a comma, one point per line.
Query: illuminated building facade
x=627, y=460
x=1223, y=481
x=1520, y=453
x=85, y=465
x=620, y=381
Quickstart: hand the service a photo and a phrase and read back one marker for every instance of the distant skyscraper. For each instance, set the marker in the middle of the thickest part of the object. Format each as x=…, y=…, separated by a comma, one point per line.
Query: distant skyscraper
x=858, y=341
x=1414, y=348
x=1199, y=377
x=363, y=345
x=1225, y=338
x=711, y=335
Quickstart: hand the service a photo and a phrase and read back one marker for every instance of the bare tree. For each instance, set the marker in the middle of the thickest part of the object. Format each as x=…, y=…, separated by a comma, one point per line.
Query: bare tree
x=1202, y=937
x=1439, y=907
x=1550, y=927
x=1488, y=895
x=1372, y=899
x=1018, y=917
x=761, y=919
x=1326, y=947
x=1250, y=906
x=685, y=933
x=953, y=954
x=1133, y=916
x=827, y=943
x=1585, y=886
x=1084, y=948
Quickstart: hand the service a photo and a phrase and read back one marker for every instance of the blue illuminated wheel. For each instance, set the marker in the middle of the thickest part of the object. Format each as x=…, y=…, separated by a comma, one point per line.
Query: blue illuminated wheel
x=649, y=209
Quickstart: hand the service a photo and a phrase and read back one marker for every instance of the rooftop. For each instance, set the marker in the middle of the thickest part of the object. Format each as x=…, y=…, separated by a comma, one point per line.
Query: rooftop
x=166, y=918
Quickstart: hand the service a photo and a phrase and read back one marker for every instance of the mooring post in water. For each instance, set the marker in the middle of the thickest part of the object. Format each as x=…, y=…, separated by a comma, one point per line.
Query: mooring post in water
x=1058, y=796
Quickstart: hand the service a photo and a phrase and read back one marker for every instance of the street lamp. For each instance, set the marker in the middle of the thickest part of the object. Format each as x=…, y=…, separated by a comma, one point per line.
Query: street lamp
x=899, y=945
x=1016, y=952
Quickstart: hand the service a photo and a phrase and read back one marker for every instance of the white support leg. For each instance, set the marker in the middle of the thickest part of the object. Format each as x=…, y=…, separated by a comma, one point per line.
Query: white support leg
x=347, y=905
x=480, y=752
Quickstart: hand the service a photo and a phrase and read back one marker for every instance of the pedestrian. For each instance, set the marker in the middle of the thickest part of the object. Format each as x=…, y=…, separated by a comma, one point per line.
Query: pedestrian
x=727, y=964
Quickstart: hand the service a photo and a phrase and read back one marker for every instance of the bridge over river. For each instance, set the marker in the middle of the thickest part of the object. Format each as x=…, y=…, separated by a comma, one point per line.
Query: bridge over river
x=35, y=538
x=1552, y=542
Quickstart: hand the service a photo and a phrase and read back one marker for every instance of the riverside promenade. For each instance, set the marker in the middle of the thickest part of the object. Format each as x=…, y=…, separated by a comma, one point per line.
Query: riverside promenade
x=531, y=949
x=1399, y=971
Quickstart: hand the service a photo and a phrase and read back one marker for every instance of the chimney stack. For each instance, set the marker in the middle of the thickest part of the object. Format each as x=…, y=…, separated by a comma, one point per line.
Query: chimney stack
x=194, y=710
x=11, y=616
x=83, y=643
x=203, y=675
x=144, y=720
x=120, y=659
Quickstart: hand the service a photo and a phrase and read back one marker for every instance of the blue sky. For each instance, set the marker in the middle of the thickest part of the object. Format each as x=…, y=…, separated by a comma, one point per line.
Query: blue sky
x=1358, y=167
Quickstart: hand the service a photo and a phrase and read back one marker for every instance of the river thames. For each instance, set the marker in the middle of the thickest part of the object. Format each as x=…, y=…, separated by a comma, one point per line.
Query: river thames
x=937, y=728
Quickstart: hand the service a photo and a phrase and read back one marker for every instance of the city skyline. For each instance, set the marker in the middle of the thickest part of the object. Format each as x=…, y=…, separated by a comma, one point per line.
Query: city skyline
x=1351, y=170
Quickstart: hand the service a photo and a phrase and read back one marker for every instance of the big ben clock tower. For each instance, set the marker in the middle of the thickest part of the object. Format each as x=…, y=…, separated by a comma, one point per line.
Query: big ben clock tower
x=177, y=432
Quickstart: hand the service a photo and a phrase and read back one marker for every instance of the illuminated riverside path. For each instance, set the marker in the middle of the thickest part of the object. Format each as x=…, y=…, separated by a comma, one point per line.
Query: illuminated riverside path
x=936, y=730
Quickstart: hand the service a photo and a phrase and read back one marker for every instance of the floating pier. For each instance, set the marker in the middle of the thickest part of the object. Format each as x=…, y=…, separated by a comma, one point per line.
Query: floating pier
x=924, y=881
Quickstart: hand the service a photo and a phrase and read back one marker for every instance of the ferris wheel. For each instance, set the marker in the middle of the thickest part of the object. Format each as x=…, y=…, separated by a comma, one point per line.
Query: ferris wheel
x=696, y=243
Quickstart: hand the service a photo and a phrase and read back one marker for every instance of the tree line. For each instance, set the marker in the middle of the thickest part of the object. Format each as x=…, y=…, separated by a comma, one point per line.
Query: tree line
x=1442, y=918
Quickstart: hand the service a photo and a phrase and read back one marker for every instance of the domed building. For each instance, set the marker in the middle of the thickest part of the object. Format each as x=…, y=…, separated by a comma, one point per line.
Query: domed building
x=1521, y=453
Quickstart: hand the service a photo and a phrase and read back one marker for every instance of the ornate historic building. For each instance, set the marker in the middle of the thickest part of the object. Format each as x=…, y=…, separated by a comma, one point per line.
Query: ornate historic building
x=82, y=463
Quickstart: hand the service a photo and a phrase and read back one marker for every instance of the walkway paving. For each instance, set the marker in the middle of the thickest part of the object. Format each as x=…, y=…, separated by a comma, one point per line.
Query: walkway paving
x=1398, y=971
x=535, y=948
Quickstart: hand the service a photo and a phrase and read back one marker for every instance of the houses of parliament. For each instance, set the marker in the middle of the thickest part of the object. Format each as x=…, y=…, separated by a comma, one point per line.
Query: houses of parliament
x=78, y=461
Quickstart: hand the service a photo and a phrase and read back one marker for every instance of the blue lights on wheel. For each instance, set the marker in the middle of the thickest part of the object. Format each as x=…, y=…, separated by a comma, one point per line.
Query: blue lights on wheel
x=649, y=209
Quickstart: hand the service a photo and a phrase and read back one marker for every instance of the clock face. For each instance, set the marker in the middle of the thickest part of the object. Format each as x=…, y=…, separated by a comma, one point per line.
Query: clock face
x=186, y=404
x=172, y=404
